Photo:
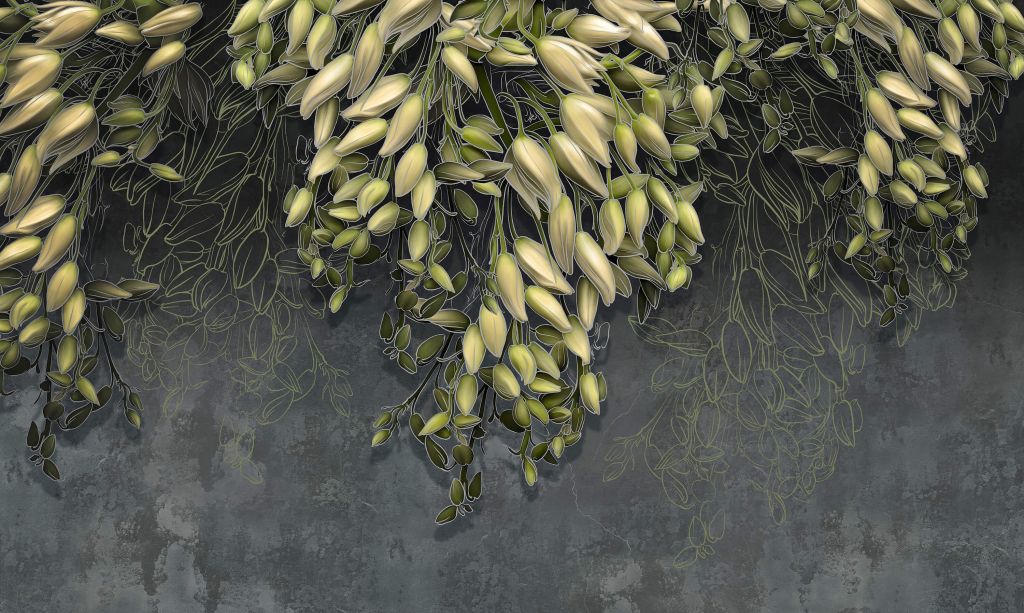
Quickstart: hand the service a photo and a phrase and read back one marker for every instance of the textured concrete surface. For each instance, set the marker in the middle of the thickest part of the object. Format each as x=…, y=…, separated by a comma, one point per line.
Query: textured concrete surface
x=923, y=513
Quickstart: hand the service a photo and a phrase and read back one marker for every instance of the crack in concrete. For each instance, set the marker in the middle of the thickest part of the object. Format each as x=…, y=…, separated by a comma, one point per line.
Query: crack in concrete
x=576, y=500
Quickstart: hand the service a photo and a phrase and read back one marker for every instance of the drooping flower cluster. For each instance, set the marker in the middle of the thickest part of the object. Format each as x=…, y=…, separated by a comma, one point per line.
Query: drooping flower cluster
x=510, y=213
x=67, y=118
x=551, y=160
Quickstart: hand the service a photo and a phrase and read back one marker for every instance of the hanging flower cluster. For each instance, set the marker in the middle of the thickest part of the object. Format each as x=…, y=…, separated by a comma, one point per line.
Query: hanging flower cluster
x=520, y=164
x=87, y=89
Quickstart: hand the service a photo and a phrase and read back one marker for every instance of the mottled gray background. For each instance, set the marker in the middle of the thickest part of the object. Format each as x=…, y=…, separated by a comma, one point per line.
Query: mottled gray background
x=923, y=514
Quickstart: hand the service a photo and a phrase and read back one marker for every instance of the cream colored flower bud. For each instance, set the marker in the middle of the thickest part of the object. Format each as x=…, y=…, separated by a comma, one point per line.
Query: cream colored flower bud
x=523, y=362
x=499, y=56
x=951, y=143
x=31, y=76
x=911, y=55
x=66, y=23
x=659, y=195
x=325, y=118
x=654, y=105
x=590, y=393
x=536, y=168
x=950, y=107
x=466, y=391
x=878, y=152
x=300, y=18
x=922, y=8
x=321, y=40
x=613, y=225
x=912, y=172
x=409, y=169
x=547, y=306
x=324, y=162
x=372, y=194
x=273, y=7
x=64, y=128
x=121, y=31
x=283, y=74
x=384, y=219
x=902, y=195
x=562, y=232
x=419, y=239
x=24, y=308
x=587, y=299
x=164, y=57
x=398, y=15
x=19, y=250
x=67, y=353
x=902, y=91
x=974, y=182
x=589, y=128
x=510, y=286
x=505, y=384
x=404, y=124
x=32, y=112
x=537, y=263
x=572, y=64
x=244, y=74
x=362, y=135
x=62, y=284
x=970, y=24
x=58, y=241
x=689, y=221
x=347, y=7
x=626, y=145
x=545, y=363
x=23, y=180
x=493, y=329
x=915, y=120
x=679, y=277
x=703, y=104
x=43, y=211
x=78, y=145
x=576, y=165
x=423, y=195
x=248, y=17
x=368, y=56
x=651, y=137
x=644, y=35
x=459, y=65
x=868, y=175
x=873, y=213
x=951, y=39
x=595, y=266
x=948, y=77
x=301, y=203
x=738, y=21
x=638, y=215
x=73, y=311
x=576, y=340
x=884, y=116
x=881, y=14
x=35, y=332
x=326, y=83
x=596, y=31
x=172, y=20
x=473, y=348
x=385, y=95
